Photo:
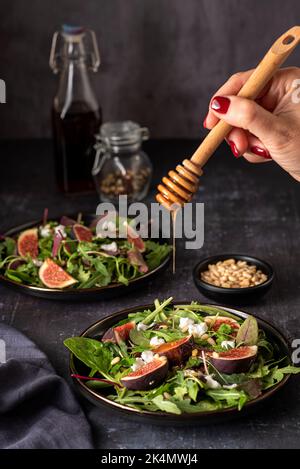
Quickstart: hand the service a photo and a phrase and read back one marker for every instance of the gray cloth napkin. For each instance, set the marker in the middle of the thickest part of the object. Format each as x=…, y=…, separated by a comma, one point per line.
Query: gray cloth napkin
x=37, y=407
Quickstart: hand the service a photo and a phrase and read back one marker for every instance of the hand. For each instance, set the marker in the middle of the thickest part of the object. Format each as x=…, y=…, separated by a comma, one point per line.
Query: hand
x=266, y=129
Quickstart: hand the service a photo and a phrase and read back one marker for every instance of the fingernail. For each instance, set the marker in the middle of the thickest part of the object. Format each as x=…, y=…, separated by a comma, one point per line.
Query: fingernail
x=220, y=104
x=234, y=149
x=204, y=123
x=261, y=152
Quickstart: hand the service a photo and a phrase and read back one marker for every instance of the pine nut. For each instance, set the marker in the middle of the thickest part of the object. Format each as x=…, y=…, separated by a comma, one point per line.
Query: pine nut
x=115, y=360
x=233, y=274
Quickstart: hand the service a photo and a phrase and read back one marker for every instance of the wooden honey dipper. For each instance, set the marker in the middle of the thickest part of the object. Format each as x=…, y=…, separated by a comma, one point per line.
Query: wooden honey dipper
x=182, y=184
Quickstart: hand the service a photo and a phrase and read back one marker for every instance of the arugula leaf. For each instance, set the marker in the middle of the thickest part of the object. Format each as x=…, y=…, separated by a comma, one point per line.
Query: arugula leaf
x=233, y=397
x=166, y=405
x=277, y=374
x=156, y=253
x=7, y=247
x=151, y=317
x=205, y=405
x=193, y=389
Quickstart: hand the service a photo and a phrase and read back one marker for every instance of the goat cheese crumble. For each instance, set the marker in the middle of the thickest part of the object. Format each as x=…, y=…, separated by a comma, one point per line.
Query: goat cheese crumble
x=156, y=341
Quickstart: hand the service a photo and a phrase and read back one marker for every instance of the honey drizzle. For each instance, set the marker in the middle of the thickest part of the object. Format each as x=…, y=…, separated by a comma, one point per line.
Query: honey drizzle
x=173, y=221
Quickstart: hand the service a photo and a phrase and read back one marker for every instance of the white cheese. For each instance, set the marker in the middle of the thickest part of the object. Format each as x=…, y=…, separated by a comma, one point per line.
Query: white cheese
x=137, y=364
x=230, y=386
x=197, y=330
x=112, y=247
x=61, y=230
x=141, y=326
x=37, y=262
x=212, y=383
x=45, y=231
x=156, y=341
x=147, y=356
x=184, y=323
x=227, y=344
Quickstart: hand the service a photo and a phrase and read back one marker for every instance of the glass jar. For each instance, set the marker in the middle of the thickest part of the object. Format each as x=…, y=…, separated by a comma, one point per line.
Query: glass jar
x=121, y=167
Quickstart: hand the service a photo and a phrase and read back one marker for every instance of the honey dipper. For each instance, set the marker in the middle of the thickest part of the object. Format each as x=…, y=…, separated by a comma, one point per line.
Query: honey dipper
x=182, y=184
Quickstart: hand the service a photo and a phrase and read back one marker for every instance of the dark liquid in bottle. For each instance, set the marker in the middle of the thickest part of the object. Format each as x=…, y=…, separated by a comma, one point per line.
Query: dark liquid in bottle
x=74, y=135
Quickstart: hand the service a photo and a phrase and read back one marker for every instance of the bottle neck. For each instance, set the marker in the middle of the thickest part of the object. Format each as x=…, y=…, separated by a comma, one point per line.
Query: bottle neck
x=74, y=88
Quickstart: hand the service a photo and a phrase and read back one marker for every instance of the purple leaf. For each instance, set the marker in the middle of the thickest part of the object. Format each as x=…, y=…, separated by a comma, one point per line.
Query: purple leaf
x=56, y=243
x=136, y=258
x=66, y=221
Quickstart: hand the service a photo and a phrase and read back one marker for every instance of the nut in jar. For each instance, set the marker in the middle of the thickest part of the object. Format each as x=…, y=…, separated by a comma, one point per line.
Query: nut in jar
x=121, y=167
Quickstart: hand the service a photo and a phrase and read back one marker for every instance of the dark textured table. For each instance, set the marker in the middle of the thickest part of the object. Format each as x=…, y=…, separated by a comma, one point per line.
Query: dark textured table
x=251, y=209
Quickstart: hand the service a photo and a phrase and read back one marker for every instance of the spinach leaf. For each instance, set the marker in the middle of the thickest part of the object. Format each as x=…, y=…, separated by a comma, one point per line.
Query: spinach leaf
x=96, y=355
x=138, y=338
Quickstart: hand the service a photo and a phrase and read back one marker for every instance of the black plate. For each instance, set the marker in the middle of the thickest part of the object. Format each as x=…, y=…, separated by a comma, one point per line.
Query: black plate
x=99, y=399
x=234, y=296
x=96, y=293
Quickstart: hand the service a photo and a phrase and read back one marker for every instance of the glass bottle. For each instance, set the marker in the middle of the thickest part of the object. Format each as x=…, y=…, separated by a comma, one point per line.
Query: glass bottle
x=76, y=115
x=121, y=167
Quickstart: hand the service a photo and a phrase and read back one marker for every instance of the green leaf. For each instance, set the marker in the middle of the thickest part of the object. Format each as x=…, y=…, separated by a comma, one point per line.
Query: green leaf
x=156, y=253
x=180, y=392
x=229, y=395
x=96, y=355
x=83, y=275
x=166, y=405
x=205, y=405
x=277, y=374
x=248, y=332
x=193, y=389
x=10, y=246
x=138, y=338
x=148, y=319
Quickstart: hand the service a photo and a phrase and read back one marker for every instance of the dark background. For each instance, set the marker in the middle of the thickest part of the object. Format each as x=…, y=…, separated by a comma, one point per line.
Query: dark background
x=161, y=59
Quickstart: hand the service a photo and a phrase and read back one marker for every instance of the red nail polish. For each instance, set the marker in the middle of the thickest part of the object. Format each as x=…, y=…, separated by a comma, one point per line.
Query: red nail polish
x=204, y=123
x=261, y=152
x=234, y=149
x=220, y=104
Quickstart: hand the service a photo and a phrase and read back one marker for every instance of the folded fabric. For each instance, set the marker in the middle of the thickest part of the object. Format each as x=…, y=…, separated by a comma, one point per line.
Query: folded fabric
x=37, y=407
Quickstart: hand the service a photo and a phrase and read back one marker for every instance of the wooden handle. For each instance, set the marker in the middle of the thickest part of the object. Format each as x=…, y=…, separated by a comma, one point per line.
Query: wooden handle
x=279, y=52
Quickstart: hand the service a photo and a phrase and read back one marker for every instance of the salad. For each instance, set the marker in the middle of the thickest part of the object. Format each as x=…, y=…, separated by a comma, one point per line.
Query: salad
x=69, y=254
x=181, y=359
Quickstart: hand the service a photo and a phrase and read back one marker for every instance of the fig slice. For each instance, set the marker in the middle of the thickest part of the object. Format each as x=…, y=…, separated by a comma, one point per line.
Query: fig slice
x=177, y=351
x=148, y=376
x=118, y=334
x=28, y=243
x=54, y=276
x=236, y=360
x=82, y=233
x=214, y=322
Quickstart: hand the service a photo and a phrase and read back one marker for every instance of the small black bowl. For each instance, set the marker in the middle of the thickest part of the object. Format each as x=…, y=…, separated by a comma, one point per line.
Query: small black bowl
x=233, y=296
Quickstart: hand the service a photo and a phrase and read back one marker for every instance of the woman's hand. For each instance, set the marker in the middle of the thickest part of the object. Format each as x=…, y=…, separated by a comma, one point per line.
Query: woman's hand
x=266, y=129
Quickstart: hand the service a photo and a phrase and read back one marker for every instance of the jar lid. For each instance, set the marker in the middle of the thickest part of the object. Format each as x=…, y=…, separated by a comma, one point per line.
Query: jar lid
x=122, y=133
